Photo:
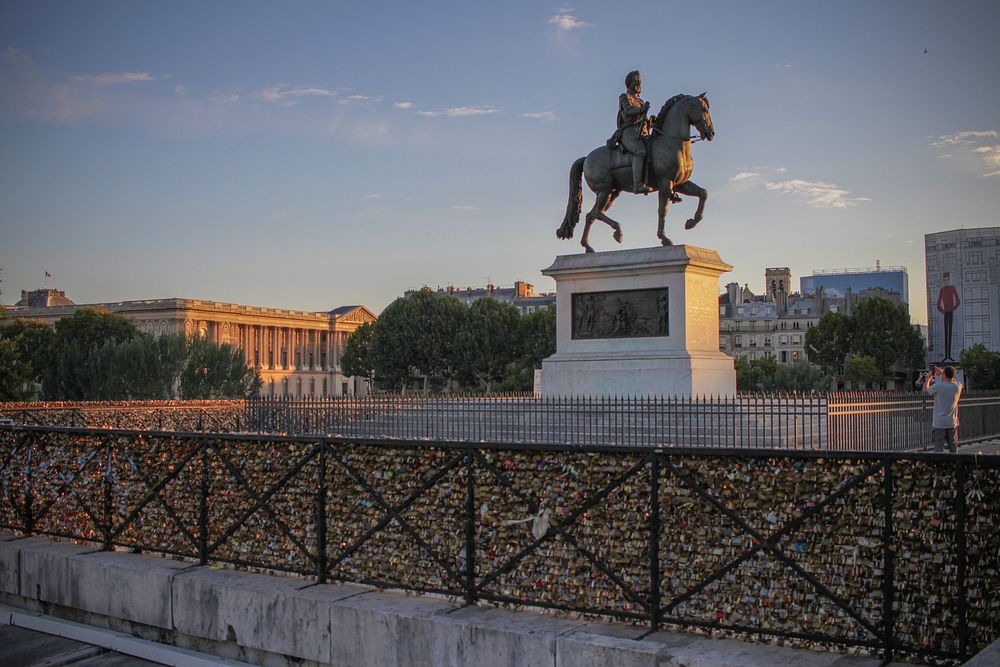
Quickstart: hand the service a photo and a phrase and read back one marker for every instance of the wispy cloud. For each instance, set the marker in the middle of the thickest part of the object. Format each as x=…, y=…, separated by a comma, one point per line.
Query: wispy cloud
x=465, y=208
x=564, y=19
x=403, y=105
x=540, y=115
x=288, y=96
x=458, y=112
x=16, y=55
x=373, y=195
x=963, y=138
x=114, y=78
x=743, y=176
x=817, y=193
x=974, y=143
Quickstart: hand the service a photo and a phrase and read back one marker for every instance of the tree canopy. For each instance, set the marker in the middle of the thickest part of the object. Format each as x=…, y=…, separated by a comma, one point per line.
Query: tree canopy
x=877, y=329
x=95, y=355
x=437, y=342
x=981, y=366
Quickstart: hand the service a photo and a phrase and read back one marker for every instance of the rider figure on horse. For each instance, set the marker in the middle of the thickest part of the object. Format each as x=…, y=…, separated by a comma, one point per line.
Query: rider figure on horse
x=633, y=128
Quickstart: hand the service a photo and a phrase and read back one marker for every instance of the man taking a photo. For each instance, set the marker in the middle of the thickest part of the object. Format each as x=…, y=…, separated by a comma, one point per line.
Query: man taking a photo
x=946, y=391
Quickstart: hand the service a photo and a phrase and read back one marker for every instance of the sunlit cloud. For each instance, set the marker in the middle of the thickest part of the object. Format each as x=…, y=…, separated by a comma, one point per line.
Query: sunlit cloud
x=563, y=19
x=743, y=176
x=974, y=143
x=403, y=105
x=817, y=194
x=963, y=138
x=286, y=95
x=458, y=112
x=16, y=55
x=540, y=115
x=114, y=78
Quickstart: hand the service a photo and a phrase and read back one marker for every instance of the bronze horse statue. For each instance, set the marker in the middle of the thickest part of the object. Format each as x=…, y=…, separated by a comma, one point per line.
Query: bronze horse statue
x=670, y=164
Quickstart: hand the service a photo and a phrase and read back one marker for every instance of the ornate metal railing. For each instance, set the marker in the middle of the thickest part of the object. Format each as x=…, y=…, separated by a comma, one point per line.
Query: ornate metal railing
x=895, y=554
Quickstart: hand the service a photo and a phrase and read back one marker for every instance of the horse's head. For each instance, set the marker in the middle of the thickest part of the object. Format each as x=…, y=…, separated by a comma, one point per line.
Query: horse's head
x=682, y=111
x=699, y=116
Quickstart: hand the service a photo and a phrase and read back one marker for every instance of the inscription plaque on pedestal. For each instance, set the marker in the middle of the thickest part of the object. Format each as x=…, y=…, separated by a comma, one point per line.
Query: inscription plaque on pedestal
x=634, y=313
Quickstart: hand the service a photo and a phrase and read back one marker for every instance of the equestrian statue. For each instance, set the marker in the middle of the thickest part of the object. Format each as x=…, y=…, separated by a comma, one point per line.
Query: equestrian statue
x=643, y=155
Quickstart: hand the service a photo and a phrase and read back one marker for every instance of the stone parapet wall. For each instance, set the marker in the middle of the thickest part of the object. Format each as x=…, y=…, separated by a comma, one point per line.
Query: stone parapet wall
x=808, y=547
x=216, y=416
x=287, y=622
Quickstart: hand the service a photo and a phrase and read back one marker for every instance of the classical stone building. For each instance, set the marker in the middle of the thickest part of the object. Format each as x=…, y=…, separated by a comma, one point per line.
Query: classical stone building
x=297, y=353
x=522, y=295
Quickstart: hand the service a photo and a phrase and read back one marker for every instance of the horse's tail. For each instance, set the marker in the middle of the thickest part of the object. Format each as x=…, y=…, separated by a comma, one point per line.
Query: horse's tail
x=575, y=203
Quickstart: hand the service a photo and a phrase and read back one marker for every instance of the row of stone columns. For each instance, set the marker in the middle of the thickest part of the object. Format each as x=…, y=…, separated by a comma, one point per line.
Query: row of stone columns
x=281, y=348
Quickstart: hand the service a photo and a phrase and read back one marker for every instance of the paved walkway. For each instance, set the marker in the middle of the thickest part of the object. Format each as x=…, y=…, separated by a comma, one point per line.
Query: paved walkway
x=982, y=447
x=20, y=647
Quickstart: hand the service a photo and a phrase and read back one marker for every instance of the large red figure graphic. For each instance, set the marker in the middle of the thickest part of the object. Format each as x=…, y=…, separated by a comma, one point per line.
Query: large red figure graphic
x=947, y=303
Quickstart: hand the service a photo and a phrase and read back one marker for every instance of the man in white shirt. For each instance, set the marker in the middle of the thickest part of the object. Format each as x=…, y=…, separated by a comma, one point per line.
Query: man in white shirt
x=946, y=391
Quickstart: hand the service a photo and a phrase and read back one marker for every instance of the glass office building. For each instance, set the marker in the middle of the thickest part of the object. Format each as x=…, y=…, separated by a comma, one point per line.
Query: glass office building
x=836, y=283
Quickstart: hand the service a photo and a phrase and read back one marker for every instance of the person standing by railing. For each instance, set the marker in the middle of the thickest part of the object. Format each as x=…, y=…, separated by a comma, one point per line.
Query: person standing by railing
x=946, y=391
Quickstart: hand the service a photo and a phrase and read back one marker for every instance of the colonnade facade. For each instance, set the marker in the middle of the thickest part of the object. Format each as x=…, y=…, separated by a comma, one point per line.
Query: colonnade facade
x=296, y=353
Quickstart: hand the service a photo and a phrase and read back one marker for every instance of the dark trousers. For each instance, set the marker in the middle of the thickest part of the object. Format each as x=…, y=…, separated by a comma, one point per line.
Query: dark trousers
x=948, y=317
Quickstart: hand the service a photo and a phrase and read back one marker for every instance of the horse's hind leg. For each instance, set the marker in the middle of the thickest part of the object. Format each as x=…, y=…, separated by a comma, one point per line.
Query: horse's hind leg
x=604, y=200
x=614, y=225
x=693, y=190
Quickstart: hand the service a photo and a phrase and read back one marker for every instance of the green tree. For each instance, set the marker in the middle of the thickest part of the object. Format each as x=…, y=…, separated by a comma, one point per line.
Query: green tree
x=882, y=330
x=797, y=376
x=488, y=342
x=536, y=341
x=981, y=366
x=216, y=371
x=538, y=337
x=32, y=342
x=14, y=373
x=416, y=336
x=357, y=356
x=829, y=342
x=755, y=375
x=861, y=369
x=77, y=365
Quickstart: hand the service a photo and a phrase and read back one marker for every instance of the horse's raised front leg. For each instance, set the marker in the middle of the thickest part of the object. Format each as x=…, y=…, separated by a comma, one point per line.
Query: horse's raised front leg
x=661, y=214
x=694, y=190
x=604, y=200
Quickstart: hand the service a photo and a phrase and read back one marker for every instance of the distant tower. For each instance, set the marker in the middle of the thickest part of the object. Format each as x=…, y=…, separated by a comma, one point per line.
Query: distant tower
x=777, y=284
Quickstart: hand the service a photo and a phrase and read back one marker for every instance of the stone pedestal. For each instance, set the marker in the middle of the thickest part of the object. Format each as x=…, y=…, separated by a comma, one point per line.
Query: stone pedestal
x=638, y=323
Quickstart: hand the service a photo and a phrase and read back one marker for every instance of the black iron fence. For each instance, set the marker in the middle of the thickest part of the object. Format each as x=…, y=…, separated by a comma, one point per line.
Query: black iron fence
x=894, y=554
x=876, y=421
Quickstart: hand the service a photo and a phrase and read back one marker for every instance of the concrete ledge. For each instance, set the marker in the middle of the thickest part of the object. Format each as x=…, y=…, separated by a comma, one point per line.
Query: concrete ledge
x=286, y=622
x=119, y=585
x=276, y=614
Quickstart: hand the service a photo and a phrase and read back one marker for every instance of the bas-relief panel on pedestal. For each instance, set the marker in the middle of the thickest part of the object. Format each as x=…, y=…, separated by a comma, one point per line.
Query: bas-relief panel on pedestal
x=637, y=313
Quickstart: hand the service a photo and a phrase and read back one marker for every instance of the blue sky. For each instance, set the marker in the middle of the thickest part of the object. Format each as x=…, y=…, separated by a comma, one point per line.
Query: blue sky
x=310, y=155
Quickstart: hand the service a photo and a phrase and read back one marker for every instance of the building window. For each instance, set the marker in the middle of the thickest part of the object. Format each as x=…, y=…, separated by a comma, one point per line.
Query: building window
x=784, y=357
x=324, y=387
